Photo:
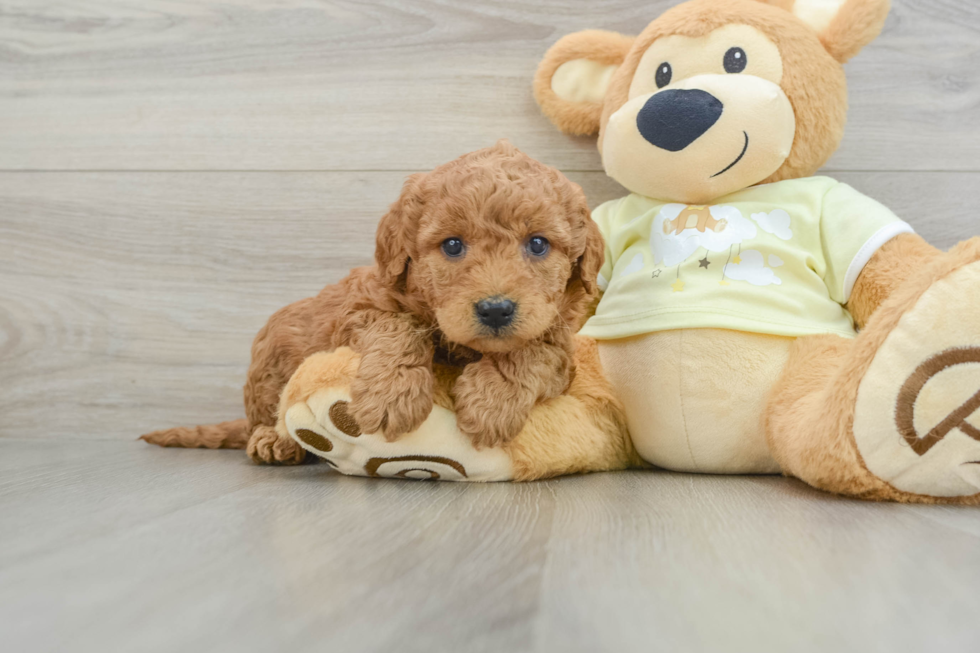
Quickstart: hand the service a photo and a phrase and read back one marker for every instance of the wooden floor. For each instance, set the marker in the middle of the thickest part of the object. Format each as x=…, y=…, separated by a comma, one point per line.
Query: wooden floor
x=173, y=171
x=112, y=546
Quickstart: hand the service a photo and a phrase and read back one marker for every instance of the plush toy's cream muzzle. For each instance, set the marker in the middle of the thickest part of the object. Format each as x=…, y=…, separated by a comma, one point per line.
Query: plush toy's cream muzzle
x=701, y=138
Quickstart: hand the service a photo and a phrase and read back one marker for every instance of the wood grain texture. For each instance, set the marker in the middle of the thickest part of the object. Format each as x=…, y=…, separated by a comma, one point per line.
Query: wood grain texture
x=129, y=300
x=111, y=546
x=247, y=150
x=385, y=85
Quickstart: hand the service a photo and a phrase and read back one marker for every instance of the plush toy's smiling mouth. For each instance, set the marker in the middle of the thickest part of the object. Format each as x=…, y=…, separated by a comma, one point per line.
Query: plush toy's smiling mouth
x=733, y=163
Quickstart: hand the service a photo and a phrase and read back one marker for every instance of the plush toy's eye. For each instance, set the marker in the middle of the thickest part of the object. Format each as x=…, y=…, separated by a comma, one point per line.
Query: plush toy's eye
x=664, y=73
x=453, y=247
x=735, y=60
x=538, y=245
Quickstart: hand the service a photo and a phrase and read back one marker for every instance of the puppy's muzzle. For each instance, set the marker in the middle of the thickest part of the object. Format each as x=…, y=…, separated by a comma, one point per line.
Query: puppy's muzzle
x=495, y=312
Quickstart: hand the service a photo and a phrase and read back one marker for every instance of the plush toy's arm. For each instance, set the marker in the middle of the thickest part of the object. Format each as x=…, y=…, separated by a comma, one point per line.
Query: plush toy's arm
x=898, y=259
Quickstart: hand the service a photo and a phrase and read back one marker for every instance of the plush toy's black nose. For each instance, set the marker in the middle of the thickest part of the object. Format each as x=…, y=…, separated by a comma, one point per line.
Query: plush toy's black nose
x=495, y=313
x=675, y=118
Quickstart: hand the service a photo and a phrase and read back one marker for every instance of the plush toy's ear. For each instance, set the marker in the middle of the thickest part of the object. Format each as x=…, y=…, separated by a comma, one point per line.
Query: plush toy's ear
x=572, y=79
x=844, y=26
x=395, y=241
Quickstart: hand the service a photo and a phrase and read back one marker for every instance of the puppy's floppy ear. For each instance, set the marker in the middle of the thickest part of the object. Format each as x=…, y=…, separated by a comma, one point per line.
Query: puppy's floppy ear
x=590, y=262
x=395, y=241
x=571, y=82
x=844, y=26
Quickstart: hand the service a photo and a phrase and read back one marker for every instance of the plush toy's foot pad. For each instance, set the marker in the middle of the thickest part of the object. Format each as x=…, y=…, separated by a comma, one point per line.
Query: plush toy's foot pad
x=917, y=416
x=437, y=450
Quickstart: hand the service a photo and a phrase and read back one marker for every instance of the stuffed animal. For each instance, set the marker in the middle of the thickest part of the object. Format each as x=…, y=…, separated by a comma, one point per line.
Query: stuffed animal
x=582, y=430
x=755, y=318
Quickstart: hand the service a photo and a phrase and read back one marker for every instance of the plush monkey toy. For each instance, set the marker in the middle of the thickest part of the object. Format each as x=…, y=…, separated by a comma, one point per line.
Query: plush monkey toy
x=755, y=318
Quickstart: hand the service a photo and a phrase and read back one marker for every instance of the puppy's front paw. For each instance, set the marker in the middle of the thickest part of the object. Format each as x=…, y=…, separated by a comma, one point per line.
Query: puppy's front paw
x=488, y=409
x=394, y=405
x=266, y=447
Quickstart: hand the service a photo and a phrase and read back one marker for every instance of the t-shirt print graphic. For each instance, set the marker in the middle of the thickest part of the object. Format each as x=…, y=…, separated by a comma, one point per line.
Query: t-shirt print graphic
x=679, y=232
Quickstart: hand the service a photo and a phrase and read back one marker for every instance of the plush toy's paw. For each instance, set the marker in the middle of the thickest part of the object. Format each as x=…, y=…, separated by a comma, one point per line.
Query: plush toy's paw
x=267, y=447
x=320, y=420
x=917, y=412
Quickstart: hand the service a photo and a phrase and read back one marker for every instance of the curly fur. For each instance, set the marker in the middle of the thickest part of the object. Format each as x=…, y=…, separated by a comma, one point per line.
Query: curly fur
x=416, y=304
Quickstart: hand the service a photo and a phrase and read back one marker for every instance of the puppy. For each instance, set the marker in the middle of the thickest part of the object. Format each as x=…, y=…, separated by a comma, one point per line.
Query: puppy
x=490, y=261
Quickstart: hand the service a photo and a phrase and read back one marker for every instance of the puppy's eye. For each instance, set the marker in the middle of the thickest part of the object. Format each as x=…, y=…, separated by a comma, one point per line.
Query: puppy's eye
x=538, y=246
x=735, y=60
x=664, y=74
x=453, y=247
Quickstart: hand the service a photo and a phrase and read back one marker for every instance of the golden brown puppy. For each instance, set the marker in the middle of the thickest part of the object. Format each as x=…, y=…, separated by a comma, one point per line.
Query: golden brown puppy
x=489, y=261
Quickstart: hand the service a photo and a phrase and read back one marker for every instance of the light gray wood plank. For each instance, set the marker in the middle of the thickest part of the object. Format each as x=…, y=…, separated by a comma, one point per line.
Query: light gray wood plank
x=122, y=547
x=296, y=558
x=382, y=85
x=702, y=563
x=128, y=301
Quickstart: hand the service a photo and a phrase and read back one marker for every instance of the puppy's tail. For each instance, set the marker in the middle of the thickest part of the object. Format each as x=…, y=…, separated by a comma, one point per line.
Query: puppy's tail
x=226, y=435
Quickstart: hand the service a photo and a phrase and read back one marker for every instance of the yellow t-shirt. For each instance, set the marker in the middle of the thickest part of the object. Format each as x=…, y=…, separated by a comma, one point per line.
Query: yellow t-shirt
x=779, y=259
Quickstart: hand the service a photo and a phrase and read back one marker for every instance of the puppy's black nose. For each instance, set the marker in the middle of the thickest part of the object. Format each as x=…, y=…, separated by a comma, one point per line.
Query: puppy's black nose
x=675, y=118
x=495, y=313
